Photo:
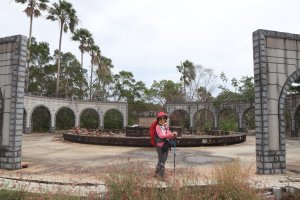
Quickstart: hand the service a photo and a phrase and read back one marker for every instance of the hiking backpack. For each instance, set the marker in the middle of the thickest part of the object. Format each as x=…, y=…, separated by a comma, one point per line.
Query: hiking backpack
x=153, y=133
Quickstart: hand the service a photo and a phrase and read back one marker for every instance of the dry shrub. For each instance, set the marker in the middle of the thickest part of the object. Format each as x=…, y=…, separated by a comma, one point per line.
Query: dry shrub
x=231, y=181
x=291, y=196
x=135, y=181
x=127, y=181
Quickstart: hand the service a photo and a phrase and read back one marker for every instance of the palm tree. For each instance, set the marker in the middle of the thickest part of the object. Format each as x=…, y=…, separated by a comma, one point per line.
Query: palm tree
x=66, y=15
x=187, y=69
x=95, y=54
x=33, y=9
x=83, y=36
x=104, y=78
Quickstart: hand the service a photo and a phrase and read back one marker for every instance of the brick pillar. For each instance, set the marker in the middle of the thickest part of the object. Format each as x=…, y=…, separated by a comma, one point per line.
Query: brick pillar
x=12, y=78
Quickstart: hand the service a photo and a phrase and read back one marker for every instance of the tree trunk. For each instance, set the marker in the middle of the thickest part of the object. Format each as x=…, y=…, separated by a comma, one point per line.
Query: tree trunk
x=91, y=76
x=81, y=84
x=58, y=60
x=81, y=61
x=28, y=53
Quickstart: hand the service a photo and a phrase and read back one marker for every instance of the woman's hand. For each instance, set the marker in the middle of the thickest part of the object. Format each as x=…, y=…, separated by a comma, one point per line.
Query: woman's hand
x=174, y=135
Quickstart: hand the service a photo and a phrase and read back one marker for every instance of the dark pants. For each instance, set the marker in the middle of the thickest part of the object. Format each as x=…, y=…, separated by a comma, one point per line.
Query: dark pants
x=162, y=158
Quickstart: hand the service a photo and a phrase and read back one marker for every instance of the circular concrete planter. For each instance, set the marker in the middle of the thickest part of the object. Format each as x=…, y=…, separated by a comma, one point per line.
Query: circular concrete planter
x=185, y=141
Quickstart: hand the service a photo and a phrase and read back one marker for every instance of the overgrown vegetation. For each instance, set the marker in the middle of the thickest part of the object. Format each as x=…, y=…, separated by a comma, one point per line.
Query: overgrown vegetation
x=227, y=181
x=135, y=181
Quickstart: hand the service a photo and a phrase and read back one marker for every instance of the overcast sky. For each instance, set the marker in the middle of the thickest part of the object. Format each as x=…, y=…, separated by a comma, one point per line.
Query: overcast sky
x=150, y=37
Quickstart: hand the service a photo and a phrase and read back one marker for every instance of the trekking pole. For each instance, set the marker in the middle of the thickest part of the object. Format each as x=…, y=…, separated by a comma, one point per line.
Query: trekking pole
x=174, y=154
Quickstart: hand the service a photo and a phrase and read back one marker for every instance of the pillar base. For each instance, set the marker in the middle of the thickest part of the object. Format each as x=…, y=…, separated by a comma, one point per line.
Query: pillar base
x=27, y=130
x=52, y=130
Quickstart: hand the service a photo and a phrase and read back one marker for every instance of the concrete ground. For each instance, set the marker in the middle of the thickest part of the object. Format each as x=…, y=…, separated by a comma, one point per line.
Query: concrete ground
x=51, y=160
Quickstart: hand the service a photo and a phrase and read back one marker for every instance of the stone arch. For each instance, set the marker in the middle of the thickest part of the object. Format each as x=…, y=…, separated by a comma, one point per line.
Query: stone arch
x=70, y=122
x=296, y=121
x=245, y=118
x=184, y=118
x=282, y=105
x=230, y=124
x=33, y=126
x=118, y=120
x=90, y=123
x=205, y=123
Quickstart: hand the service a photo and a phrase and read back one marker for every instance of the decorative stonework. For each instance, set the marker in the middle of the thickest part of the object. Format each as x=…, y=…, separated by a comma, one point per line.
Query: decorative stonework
x=12, y=71
x=276, y=66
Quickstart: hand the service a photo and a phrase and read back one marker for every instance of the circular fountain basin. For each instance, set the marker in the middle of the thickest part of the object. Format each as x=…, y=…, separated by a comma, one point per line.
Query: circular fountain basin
x=144, y=141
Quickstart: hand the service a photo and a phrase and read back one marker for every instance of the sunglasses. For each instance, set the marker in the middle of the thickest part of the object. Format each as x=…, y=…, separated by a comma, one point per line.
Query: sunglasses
x=165, y=118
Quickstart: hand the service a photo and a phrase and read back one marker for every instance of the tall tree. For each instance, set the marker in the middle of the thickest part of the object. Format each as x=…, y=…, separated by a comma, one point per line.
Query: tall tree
x=82, y=36
x=203, y=85
x=64, y=13
x=95, y=54
x=187, y=70
x=72, y=77
x=127, y=88
x=166, y=91
x=243, y=90
x=104, y=80
x=39, y=60
x=33, y=9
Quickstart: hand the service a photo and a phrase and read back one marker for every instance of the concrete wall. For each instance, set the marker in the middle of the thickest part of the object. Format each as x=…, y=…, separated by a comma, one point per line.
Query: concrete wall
x=12, y=72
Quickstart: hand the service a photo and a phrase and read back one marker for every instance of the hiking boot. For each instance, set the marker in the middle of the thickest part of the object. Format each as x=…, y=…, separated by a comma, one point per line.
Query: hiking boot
x=160, y=177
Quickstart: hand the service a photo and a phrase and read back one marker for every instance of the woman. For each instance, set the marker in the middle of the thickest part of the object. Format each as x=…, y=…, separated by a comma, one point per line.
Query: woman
x=162, y=145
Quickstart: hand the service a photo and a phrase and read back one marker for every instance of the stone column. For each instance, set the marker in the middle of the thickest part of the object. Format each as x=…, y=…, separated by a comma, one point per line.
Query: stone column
x=216, y=120
x=77, y=120
x=275, y=69
x=240, y=120
x=13, y=52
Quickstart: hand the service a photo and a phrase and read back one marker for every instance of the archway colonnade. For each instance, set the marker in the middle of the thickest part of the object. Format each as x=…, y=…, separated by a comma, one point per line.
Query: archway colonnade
x=291, y=106
x=192, y=108
x=54, y=105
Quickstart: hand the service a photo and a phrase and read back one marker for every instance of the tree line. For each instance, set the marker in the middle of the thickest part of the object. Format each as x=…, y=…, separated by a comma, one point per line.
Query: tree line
x=61, y=74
